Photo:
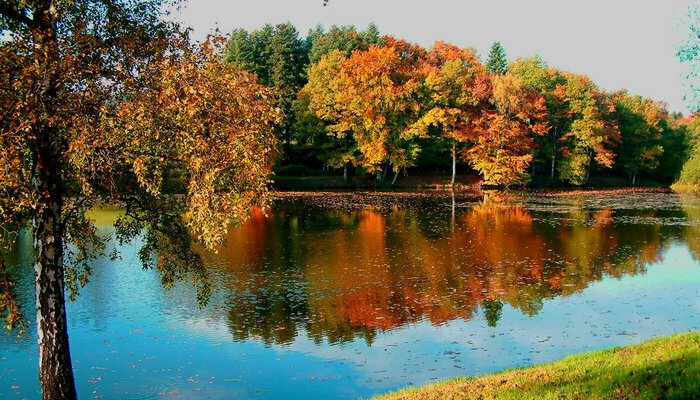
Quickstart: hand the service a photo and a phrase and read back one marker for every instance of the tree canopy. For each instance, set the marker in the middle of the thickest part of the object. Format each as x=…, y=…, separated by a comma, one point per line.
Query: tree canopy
x=104, y=103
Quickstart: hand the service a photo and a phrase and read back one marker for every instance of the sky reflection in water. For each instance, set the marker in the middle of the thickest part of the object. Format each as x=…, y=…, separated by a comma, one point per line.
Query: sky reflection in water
x=340, y=296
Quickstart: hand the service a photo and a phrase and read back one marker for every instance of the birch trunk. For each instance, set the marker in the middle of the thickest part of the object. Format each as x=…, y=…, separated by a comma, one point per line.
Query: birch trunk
x=55, y=369
x=454, y=163
x=396, y=175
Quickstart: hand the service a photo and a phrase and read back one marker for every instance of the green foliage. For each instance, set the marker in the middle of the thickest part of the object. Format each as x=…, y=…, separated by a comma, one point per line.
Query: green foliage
x=675, y=145
x=493, y=309
x=497, y=62
x=690, y=174
x=344, y=38
x=592, y=131
x=640, y=133
x=279, y=58
x=689, y=52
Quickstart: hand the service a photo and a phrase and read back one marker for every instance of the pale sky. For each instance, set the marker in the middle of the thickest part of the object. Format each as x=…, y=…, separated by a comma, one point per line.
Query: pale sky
x=618, y=43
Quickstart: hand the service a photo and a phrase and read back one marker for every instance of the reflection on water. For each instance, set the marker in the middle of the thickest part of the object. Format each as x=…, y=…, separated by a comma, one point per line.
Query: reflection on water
x=338, y=275
x=336, y=278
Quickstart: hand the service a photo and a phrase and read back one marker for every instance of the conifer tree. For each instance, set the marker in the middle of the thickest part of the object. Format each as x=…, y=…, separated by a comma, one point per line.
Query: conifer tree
x=497, y=62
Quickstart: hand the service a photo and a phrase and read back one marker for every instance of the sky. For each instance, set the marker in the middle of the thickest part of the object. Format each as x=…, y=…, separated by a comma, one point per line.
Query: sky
x=620, y=44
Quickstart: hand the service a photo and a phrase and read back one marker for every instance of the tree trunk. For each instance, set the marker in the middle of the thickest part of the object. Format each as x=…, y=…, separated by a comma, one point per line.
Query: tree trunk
x=551, y=176
x=454, y=163
x=634, y=177
x=396, y=175
x=55, y=369
x=345, y=172
x=554, y=154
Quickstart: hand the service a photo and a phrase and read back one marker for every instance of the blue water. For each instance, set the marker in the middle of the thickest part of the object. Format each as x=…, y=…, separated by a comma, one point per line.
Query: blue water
x=317, y=303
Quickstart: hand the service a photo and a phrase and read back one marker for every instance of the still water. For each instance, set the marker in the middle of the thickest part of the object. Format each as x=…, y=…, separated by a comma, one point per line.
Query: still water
x=338, y=295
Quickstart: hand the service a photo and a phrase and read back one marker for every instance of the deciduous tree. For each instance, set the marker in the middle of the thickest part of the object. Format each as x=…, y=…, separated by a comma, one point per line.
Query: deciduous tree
x=639, y=121
x=592, y=132
x=371, y=94
x=102, y=103
x=502, y=137
x=548, y=82
x=450, y=75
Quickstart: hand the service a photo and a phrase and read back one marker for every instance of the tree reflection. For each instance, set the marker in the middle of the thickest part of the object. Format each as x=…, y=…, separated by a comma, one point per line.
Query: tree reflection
x=340, y=275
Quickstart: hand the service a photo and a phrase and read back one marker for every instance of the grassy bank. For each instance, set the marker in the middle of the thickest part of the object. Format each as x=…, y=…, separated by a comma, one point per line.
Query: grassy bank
x=662, y=368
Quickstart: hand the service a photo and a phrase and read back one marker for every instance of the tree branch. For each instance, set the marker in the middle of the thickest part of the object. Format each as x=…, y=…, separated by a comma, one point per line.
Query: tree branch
x=14, y=15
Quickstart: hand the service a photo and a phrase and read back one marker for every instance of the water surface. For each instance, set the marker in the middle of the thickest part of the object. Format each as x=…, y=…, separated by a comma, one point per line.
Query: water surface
x=343, y=295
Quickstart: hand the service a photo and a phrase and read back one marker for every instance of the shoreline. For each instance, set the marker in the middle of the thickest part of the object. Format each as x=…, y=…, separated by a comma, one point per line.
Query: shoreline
x=663, y=367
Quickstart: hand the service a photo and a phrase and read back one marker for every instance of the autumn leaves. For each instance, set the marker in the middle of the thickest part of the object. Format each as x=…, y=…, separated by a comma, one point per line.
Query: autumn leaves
x=381, y=99
x=386, y=97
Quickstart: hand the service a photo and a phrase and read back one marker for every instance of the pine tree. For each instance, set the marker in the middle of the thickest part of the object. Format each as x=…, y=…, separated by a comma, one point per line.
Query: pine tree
x=497, y=62
x=239, y=50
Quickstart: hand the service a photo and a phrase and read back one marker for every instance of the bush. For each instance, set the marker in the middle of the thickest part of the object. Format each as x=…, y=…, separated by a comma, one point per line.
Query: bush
x=690, y=175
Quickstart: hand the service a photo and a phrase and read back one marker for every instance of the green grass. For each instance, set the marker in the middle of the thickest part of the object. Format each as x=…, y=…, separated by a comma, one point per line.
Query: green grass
x=661, y=368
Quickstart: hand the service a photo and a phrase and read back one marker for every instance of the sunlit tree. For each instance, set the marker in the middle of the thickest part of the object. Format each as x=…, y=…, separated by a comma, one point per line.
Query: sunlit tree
x=103, y=103
x=592, y=132
x=450, y=76
x=502, y=137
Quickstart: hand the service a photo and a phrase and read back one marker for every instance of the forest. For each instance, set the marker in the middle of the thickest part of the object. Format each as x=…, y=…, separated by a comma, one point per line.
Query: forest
x=359, y=104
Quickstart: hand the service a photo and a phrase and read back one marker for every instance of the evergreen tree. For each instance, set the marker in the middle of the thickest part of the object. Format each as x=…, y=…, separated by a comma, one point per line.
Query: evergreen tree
x=279, y=58
x=239, y=50
x=344, y=38
x=497, y=62
x=371, y=36
x=286, y=65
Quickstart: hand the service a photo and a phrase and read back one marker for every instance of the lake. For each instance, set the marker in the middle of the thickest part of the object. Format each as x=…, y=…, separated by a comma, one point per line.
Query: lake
x=342, y=295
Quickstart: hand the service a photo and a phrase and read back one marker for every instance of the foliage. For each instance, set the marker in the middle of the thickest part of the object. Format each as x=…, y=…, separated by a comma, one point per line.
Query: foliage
x=548, y=82
x=449, y=75
x=102, y=102
x=344, y=38
x=497, y=62
x=689, y=52
x=502, y=137
x=317, y=101
x=372, y=95
x=9, y=305
x=207, y=119
x=639, y=120
x=279, y=58
x=690, y=175
x=592, y=132
x=676, y=149
x=583, y=131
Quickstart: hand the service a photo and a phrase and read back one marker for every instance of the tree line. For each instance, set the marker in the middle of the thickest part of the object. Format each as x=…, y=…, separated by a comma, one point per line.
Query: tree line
x=357, y=101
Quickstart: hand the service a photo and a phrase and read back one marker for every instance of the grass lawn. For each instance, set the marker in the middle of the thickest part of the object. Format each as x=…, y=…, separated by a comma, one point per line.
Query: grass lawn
x=661, y=368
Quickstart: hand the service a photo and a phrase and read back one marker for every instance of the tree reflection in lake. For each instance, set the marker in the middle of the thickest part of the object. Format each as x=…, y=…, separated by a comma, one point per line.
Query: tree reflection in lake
x=386, y=262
